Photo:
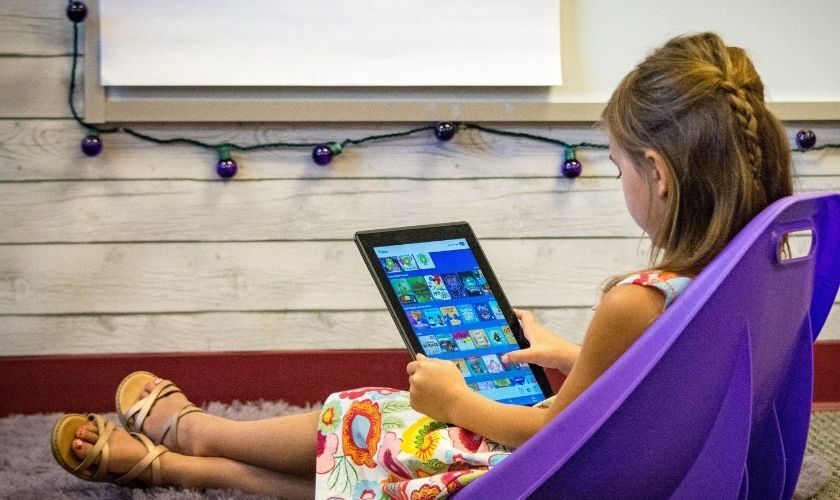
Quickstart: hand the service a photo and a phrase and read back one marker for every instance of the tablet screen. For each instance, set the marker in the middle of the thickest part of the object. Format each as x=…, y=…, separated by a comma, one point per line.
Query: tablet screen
x=454, y=315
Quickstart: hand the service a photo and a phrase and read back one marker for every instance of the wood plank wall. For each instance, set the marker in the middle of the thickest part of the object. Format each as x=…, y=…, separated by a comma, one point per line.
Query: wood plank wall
x=144, y=249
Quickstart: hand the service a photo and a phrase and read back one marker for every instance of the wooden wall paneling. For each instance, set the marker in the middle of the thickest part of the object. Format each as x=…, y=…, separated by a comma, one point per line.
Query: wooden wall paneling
x=54, y=334
x=225, y=331
x=268, y=210
x=34, y=87
x=186, y=277
x=304, y=209
x=35, y=28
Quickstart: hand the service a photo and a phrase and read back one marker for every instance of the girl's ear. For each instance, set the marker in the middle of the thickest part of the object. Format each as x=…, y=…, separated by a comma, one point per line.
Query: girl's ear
x=661, y=176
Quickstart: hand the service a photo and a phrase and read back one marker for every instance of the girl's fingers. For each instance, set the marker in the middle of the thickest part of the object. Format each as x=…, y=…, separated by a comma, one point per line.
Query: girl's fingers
x=516, y=356
x=526, y=318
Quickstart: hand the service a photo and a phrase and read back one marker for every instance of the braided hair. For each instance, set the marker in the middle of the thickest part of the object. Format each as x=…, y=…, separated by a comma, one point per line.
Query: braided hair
x=700, y=105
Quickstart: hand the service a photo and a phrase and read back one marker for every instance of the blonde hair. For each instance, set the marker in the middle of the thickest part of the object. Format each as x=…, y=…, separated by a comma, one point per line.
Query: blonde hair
x=700, y=105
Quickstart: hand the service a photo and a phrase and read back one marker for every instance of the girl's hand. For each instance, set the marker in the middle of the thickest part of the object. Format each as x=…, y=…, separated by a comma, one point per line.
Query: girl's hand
x=547, y=349
x=435, y=385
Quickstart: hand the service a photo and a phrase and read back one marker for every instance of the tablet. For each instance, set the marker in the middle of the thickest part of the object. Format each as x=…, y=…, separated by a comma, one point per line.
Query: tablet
x=448, y=304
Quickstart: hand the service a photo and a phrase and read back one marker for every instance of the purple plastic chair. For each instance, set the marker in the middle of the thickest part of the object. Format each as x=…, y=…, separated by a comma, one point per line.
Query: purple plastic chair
x=714, y=400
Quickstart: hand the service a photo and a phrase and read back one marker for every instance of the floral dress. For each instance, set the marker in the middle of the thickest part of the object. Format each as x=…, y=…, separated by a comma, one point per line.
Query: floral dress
x=373, y=445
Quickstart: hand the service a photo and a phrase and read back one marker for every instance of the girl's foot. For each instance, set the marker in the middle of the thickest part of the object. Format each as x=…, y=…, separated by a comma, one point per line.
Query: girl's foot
x=158, y=409
x=96, y=450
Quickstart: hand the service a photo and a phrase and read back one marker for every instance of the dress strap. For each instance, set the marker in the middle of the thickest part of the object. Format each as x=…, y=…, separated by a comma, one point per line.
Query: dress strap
x=670, y=284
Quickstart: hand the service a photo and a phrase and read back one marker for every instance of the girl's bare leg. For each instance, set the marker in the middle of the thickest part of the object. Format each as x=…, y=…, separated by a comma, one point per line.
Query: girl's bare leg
x=194, y=472
x=283, y=444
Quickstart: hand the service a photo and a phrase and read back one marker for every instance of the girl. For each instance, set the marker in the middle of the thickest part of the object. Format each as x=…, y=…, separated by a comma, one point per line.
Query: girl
x=698, y=154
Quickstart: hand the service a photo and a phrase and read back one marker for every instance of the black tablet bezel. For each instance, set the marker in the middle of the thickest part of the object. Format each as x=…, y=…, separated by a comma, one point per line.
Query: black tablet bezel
x=368, y=240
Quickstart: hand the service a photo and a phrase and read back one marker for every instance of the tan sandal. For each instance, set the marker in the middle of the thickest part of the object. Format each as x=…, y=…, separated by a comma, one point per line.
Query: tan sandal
x=64, y=433
x=133, y=411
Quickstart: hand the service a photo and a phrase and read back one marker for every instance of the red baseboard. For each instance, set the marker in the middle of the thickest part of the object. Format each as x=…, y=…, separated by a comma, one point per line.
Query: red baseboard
x=34, y=384
x=827, y=372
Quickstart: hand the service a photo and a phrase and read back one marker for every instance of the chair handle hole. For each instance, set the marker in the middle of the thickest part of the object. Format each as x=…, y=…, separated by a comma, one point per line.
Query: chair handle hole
x=795, y=245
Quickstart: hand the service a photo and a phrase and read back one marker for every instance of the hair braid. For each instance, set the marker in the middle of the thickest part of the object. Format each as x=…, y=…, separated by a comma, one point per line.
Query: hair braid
x=744, y=113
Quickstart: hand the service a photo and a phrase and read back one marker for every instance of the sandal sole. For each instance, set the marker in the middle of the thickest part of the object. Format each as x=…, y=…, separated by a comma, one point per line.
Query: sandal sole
x=63, y=435
x=128, y=392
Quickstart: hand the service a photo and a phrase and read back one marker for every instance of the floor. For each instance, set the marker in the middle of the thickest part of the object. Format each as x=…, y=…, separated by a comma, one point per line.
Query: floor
x=824, y=441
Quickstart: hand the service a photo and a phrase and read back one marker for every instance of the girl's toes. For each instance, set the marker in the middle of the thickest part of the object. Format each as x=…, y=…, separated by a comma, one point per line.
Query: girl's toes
x=87, y=433
x=149, y=387
x=81, y=448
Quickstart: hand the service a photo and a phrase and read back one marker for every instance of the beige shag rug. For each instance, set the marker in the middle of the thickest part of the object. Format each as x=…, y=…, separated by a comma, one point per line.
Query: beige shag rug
x=28, y=471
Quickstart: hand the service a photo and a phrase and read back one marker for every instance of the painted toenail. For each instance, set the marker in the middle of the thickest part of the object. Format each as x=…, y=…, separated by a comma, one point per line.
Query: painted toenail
x=78, y=444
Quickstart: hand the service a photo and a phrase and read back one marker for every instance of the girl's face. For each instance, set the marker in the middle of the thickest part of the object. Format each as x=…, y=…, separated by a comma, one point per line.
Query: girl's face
x=638, y=192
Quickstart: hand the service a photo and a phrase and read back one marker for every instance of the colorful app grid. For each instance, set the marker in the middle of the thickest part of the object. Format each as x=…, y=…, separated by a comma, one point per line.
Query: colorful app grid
x=484, y=312
x=424, y=260
x=493, y=363
x=407, y=263
x=479, y=338
x=403, y=291
x=502, y=382
x=476, y=365
x=419, y=289
x=511, y=338
x=495, y=309
x=434, y=317
x=462, y=365
x=436, y=287
x=496, y=335
x=454, y=286
x=453, y=317
x=429, y=344
x=463, y=339
x=417, y=319
x=450, y=307
x=390, y=265
x=468, y=314
x=446, y=342
x=470, y=284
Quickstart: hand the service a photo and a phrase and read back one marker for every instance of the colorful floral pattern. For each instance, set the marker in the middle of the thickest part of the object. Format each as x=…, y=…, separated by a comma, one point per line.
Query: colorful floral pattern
x=387, y=450
x=360, y=431
x=330, y=417
x=325, y=448
x=421, y=440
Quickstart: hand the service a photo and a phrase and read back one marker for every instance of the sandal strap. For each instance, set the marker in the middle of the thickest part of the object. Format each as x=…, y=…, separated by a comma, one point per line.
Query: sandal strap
x=141, y=409
x=150, y=459
x=172, y=424
x=100, y=450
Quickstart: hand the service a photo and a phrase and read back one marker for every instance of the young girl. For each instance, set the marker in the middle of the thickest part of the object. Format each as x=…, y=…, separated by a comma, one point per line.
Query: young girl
x=698, y=154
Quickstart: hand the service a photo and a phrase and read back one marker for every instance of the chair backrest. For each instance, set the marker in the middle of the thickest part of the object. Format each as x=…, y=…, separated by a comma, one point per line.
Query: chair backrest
x=713, y=401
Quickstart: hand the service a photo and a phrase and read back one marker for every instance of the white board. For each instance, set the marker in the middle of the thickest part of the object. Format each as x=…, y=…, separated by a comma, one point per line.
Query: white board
x=320, y=43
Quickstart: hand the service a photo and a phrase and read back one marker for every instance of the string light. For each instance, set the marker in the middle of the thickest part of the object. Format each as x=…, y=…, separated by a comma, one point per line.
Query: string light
x=323, y=152
x=226, y=167
x=806, y=139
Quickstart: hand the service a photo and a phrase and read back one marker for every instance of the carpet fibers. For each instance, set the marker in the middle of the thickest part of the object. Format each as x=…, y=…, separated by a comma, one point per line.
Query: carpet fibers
x=28, y=471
